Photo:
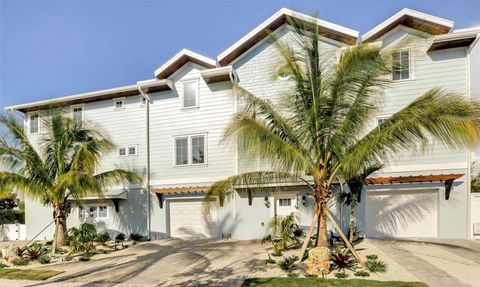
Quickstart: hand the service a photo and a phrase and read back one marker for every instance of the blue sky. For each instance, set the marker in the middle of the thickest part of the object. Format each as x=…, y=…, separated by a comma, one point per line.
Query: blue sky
x=56, y=48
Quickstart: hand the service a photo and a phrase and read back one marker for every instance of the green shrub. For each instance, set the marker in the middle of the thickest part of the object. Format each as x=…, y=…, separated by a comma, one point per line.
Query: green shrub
x=103, y=237
x=3, y=265
x=292, y=275
x=19, y=261
x=376, y=266
x=341, y=275
x=277, y=253
x=136, y=237
x=44, y=259
x=82, y=238
x=372, y=257
x=288, y=263
x=311, y=276
x=284, y=232
x=68, y=258
x=86, y=256
x=269, y=260
x=362, y=274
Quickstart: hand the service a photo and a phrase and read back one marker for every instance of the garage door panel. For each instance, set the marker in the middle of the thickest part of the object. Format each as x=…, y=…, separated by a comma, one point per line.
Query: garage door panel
x=402, y=214
x=187, y=220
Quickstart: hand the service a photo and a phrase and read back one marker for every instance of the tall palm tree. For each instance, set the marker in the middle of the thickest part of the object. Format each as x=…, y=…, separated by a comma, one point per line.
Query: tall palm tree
x=319, y=133
x=352, y=197
x=60, y=168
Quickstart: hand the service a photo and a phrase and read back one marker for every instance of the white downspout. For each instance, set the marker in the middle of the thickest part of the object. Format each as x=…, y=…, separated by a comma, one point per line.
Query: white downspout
x=147, y=116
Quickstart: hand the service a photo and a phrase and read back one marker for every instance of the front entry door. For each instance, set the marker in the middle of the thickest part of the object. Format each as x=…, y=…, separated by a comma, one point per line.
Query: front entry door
x=285, y=205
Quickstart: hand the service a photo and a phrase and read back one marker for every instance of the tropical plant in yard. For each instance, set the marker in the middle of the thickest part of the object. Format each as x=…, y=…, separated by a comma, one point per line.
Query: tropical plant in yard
x=352, y=196
x=318, y=134
x=61, y=168
x=284, y=232
x=82, y=239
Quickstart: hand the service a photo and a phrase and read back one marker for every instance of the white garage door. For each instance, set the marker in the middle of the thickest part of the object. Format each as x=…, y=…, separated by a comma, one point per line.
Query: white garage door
x=401, y=213
x=187, y=220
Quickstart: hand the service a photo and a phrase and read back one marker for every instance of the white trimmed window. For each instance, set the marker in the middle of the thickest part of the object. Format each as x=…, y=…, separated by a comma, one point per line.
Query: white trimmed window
x=77, y=113
x=34, y=123
x=122, y=151
x=119, y=104
x=93, y=211
x=190, y=150
x=127, y=150
x=401, y=65
x=190, y=94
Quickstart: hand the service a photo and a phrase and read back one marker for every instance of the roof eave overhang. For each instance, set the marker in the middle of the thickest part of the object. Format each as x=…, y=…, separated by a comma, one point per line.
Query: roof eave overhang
x=330, y=30
x=125, y=91
x=180, y=59
x=413, y=19
x=454, y=40
x=215, y=75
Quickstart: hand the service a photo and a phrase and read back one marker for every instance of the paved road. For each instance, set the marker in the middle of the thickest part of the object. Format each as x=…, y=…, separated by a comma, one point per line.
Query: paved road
x=439, y=263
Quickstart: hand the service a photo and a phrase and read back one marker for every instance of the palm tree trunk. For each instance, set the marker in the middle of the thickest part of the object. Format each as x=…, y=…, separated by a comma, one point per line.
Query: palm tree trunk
x=352, y=224
x=60, y=225
x=322, y=236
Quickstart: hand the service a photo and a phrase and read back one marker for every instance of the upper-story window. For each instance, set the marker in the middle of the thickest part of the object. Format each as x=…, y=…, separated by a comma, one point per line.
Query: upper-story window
x=401, y=65
x=77, y=115
x=190, y=94
x=34, y=123
x=119, y=104
x=190, y=150
x=127, y=150
x=381, y=120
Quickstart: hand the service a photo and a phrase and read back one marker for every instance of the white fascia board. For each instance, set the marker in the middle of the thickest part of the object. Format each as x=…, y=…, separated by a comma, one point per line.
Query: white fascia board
x=216, y=72
x=456, y=36
x=72, y=97
x=146, y=84
x=411, y=13
x=154, y=83
x=185, y=52
x=293, y=14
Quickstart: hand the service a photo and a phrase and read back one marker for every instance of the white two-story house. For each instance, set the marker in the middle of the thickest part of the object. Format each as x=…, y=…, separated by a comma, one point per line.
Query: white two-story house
x=170, y=129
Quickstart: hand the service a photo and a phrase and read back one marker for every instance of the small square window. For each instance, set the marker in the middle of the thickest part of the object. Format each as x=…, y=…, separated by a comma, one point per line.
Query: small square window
x=381, y=120
x=190, y=94
x=118, y=104
x=102, y=212
x=122, y=151
x=132, y=150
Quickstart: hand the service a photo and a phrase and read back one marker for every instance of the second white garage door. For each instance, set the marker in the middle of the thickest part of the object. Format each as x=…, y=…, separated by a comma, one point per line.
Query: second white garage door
x=187, y=220
x=397, y=213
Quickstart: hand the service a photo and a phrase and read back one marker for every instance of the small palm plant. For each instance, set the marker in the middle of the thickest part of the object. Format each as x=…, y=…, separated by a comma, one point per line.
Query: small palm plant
x=284, y=232
x=62, y=167
x=319, y=133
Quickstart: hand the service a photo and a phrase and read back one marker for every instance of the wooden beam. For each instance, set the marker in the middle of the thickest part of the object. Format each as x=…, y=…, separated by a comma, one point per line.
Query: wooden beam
x=448, y=188
x=116, y=202
x=250, y=196
x=160, y=199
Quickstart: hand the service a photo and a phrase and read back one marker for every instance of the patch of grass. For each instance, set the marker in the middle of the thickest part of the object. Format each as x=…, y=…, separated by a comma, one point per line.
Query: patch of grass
x=44, y=259
x=341, y=275
x=376, y=266
x=20, y=262
x=372, y=257
x=277, y=253
x=27, y=274
x=269, y=260
x=315, y=282
x=362, y=274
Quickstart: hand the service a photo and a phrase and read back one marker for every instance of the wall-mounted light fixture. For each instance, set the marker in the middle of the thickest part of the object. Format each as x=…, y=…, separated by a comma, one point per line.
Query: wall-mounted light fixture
x=304, y=200
x=266, y=201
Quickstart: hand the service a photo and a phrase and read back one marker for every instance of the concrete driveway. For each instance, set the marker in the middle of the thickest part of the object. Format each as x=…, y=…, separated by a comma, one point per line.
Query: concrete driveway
x=164, y=263
x=436, y=262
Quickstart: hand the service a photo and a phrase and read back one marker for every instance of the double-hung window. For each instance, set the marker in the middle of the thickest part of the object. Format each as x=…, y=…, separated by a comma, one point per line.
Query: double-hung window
x=401, y=65
x=77, y=115
x=34, y=121
x=93, y=211
x=190, y=150
x=190, y=94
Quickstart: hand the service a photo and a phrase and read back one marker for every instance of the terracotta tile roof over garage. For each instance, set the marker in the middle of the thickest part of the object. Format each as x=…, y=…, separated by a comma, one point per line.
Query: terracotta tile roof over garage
x=181, y=190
